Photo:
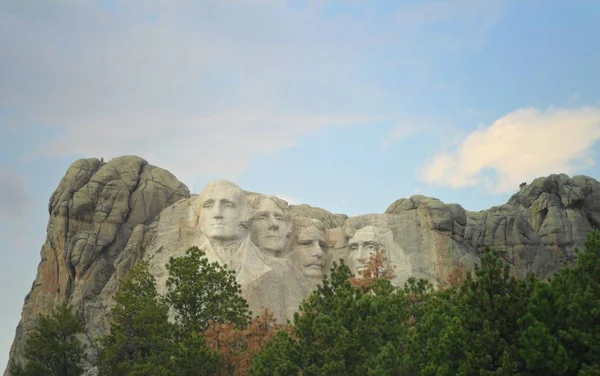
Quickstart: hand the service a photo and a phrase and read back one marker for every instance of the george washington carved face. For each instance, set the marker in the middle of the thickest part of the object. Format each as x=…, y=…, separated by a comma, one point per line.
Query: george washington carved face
x=223, y=211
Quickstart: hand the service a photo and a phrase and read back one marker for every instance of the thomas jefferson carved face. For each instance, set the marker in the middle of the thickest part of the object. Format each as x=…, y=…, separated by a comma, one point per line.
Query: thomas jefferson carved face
x=271, y=226
x=309, y=247
x=223, y=211
x=362, y=245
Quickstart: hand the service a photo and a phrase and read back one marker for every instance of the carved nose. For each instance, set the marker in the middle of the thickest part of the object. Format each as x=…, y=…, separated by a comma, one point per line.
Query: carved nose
x=363, y=252
x=316, y=251
x=274, y=226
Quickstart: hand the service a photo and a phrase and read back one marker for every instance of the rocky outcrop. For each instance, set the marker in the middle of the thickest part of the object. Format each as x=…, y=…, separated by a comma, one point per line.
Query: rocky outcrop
x=104, y=217
x=329, y=220
x=537, y=231
x=561, y=211
x=99, y=216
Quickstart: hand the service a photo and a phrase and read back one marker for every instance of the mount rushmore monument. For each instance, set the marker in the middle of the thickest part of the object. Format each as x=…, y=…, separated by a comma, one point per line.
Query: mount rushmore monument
x=278, y=259
x=106, y=216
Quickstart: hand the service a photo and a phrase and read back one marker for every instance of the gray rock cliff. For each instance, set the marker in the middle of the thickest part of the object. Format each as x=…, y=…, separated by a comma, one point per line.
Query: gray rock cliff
x=99, y=216
x=104, y=217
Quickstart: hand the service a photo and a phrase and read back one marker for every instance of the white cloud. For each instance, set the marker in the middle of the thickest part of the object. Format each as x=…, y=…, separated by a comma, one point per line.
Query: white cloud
x=200, y=90
x=219, y=144
x=195, y=87
x=518, y=147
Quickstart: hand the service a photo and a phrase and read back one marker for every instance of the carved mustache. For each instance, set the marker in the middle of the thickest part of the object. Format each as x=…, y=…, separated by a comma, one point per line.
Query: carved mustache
x=315, y=263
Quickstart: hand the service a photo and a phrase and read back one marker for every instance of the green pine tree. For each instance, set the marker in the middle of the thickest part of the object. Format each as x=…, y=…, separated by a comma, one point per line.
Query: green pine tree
x=341, y=330
x=192, y=356
x=53, y=347
x=201, y=293
x=472, y=329
x=141, y=339
x=561, y=330
x=492, y=303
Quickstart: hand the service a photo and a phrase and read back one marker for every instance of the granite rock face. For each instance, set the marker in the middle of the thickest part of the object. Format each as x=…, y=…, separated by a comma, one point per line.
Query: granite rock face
x=104, y=217
x=561, y=212
x=99, y=215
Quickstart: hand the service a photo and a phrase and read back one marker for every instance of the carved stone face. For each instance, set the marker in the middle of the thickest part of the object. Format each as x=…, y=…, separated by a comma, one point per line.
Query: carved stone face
x=223, y=209
x=361, y=246
x=270, y=228
x=308, y=250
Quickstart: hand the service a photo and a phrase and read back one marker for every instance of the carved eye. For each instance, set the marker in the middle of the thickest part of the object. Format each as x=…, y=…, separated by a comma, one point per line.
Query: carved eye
x=262, y=218
x=353, y=247
x=207, y=205
x=279, y=219
x=371, y=247
x=228, y=205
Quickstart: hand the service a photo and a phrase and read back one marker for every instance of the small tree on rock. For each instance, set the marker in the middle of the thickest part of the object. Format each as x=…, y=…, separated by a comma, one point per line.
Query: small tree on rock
x=53, y=348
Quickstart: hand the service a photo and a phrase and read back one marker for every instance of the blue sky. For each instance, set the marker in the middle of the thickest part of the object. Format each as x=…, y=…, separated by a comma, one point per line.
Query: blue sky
x=347, y=105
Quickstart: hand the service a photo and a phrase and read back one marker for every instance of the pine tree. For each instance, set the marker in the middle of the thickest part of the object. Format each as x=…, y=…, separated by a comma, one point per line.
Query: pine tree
x=53, y=347
x=141, y=338
x=192, y=356
x=340, y=329
x=201, y=292
x=472, y=327
x=492, y=303
x=143, y=341
x=204, y=295
x=562, y=327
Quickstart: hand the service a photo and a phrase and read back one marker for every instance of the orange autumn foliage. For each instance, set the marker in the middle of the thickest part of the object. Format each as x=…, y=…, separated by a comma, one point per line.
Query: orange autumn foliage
x=238, y=346
x=457, y=276
x=377, y=268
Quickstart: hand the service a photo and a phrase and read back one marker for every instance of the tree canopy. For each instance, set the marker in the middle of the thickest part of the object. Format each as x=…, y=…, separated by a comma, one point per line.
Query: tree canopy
x=53, y=349
x=482, y=322
x=142, y=339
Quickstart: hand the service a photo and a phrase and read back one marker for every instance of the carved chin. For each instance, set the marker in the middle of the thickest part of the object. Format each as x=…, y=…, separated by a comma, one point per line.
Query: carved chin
x=313, y=271
x=223, y=232
x=273, y=244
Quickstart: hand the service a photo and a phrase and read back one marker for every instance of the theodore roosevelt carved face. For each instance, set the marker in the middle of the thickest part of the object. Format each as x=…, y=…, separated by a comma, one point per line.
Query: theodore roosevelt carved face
x=308, y=246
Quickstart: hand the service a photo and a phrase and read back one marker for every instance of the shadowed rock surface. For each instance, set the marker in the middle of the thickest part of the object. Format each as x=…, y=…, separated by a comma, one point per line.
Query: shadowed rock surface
x=104, y=217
